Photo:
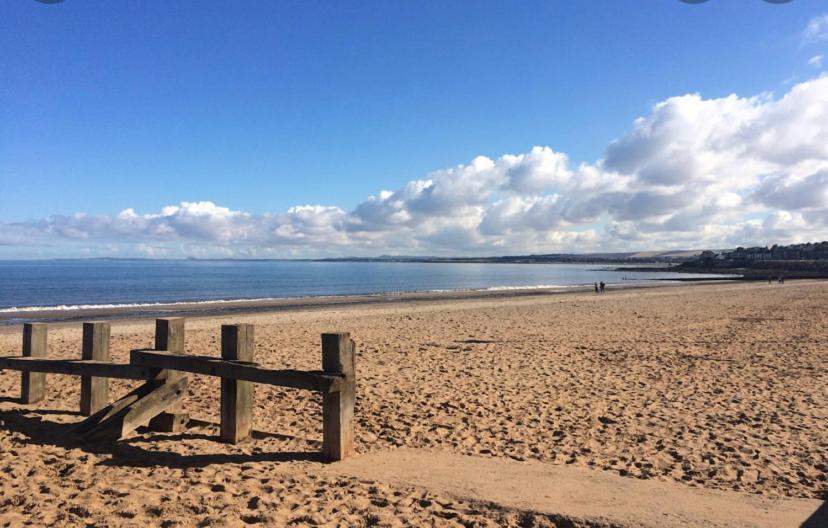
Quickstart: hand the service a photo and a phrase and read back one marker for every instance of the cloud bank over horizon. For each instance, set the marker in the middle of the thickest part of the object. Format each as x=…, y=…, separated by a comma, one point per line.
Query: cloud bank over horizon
x=693, y=173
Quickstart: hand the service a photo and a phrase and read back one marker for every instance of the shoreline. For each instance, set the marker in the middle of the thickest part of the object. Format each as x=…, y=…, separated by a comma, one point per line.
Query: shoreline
x=219, y=308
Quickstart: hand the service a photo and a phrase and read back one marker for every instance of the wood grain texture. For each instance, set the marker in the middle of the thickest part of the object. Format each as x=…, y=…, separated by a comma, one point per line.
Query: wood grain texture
x=318, y=381
x=76, y=367
x=136, y=409
x=94, y=389
x=236, y=395
x=338, y=357
x=169, y=336
x=33, y=384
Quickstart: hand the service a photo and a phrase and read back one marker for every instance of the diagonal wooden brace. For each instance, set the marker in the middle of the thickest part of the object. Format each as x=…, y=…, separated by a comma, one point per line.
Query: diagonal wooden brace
x=110, y=410
x=137, y=408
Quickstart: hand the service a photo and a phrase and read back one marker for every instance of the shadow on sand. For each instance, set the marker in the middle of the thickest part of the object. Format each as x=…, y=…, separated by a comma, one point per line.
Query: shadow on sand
x=125, y=453
x=30, y=423
x=818, y=519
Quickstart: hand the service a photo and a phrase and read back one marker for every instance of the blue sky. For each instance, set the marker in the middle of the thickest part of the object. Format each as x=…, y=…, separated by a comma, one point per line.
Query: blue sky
x=258, y=107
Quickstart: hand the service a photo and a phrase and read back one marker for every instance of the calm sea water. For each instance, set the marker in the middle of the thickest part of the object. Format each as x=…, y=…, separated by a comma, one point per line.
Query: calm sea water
x=75, y=283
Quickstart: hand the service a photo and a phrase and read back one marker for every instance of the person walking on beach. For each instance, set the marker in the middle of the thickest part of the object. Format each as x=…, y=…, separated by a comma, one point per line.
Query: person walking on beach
x=603, y=286
x=596, y=288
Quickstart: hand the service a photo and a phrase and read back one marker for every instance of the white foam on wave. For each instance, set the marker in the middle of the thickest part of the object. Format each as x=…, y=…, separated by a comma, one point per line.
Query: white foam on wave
x=172, y=304
x=533, y=287
x=68, y=307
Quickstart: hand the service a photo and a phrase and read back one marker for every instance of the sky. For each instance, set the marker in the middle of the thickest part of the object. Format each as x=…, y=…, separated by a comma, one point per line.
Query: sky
x=312, y=129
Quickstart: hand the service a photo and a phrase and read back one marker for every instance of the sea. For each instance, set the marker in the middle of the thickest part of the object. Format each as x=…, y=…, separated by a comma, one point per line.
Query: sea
x=33, y=285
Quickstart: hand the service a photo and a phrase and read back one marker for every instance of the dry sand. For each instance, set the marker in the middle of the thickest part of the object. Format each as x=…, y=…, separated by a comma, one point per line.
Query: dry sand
x=722, y=387
x=574, y=492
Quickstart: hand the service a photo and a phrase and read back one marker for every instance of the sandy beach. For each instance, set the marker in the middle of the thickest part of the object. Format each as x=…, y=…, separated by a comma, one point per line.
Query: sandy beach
x=714, y=388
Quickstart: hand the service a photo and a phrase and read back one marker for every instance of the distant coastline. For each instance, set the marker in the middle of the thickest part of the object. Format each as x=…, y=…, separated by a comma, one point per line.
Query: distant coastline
x=652, y=257
x=683, y=262
x=789, y=269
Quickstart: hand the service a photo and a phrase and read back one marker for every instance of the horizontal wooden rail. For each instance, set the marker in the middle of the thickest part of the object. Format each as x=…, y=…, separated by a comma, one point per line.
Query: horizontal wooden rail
x=75, y=367
x=157, y=403
x=238, y=370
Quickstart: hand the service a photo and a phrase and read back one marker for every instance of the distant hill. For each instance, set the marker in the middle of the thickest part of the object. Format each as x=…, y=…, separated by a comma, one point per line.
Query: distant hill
x=672, y=256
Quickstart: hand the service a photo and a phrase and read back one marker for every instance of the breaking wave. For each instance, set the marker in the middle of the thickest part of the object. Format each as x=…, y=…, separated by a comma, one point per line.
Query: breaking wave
x=172, y=304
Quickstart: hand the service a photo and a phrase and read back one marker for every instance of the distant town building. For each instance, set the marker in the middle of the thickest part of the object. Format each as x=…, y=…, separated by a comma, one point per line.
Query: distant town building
x=809, y=251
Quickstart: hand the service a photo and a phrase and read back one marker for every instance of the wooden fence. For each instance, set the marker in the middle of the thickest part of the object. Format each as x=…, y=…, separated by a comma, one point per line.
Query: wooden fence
x=158, y=402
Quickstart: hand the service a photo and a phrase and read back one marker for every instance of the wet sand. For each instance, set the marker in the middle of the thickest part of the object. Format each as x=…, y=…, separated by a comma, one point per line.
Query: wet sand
x=720, y=386
x=232, y=308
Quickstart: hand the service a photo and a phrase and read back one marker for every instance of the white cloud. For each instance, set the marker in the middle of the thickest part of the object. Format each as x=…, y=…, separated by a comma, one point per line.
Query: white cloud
x=795, y=193
x=816, y=61
x=539, y=170
x=816, y=30
x=693, y=172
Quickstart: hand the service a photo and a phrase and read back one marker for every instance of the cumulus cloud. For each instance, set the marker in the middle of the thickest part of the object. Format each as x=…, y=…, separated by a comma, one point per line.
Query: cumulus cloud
x=694, y=172
x=795, y=193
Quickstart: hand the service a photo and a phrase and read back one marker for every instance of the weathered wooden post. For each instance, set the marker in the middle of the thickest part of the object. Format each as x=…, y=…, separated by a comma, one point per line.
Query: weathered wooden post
x=236, y=396
x=146, y=405
x=94, y=390
x=338, y=357
x=169, y=336
x=33, y=384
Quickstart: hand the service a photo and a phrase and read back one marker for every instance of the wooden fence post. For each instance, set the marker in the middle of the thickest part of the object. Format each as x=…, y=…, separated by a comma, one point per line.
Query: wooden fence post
x=94, y=390
x=33, y=384
x=169, y=336
x=338, y=357
x=236, y=396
